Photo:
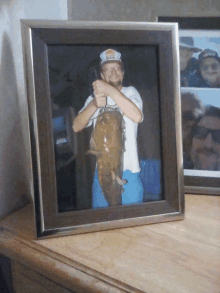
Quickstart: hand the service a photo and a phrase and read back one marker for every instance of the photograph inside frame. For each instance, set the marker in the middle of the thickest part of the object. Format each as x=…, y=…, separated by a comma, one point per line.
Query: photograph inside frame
x=97, y=166
x=200, y=99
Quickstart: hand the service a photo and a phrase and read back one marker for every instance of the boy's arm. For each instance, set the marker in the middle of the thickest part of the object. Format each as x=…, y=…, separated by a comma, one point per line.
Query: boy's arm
x=129, y=109
x=82, y=119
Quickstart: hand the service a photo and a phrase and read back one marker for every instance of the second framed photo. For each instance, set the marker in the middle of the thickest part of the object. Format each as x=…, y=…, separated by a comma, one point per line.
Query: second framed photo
x=104, y=124
x=199, y=45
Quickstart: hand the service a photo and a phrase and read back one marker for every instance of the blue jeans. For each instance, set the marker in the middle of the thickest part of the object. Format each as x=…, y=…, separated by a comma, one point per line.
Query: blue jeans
x=133, y=190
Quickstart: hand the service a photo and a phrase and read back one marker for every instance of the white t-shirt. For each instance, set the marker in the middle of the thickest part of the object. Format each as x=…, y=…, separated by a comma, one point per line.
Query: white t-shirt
x=131, y=161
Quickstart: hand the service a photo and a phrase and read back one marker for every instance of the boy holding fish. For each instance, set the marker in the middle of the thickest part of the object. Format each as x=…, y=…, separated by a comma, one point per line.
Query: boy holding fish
x=109, y=92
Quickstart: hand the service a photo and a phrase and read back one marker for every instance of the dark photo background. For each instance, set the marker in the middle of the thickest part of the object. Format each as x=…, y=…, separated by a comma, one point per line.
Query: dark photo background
x=70, y=85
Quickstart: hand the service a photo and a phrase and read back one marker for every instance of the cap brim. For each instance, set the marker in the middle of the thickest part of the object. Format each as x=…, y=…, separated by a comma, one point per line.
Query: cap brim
x=215, y=57
x=108, y=61
x=193, y=49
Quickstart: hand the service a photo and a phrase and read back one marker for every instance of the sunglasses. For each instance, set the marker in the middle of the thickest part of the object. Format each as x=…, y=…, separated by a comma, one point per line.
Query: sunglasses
x=110, y=70
x=201, y=132
x=213, y=66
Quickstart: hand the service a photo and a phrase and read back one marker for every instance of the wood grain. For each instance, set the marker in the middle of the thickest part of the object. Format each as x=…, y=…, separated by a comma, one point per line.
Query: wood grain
x=181, y=256
x=26, y=281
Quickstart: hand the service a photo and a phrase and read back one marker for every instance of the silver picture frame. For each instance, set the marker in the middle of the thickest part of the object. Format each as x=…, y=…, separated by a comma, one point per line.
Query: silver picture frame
x=42, y=42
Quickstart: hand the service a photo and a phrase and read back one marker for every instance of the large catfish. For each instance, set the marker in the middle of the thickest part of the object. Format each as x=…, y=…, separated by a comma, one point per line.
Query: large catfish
x=107, y=143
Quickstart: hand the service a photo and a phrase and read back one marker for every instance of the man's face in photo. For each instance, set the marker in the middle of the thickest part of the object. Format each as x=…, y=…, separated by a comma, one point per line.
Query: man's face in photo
x=210, y=71
x=188, y=118
x=185, y=56
x=205, y=152
x=112, y=73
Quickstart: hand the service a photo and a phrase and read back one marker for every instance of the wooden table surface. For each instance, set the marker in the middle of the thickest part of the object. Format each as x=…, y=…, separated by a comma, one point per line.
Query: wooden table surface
x=173, y=257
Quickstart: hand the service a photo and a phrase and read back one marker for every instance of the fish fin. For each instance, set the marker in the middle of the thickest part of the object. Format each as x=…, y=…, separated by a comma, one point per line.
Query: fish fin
x=92, y=153
x=92, y=148
x=118, y=179
x=92, y=143
x=121, y=181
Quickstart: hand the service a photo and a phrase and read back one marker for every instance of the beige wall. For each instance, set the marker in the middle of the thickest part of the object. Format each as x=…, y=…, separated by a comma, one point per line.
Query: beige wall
x=108, y=10
x=15, y=160
x=139, y=10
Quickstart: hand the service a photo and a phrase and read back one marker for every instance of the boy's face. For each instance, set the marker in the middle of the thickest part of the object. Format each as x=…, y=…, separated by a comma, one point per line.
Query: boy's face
x=113, y=74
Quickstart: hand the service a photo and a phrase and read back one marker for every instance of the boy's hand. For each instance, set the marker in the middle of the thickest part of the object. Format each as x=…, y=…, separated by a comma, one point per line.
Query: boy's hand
x=101, y=87
x=99, y=101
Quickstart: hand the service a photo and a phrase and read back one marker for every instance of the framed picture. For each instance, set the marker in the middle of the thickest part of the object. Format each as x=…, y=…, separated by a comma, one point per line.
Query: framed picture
x=199, y=43
x=105, y=124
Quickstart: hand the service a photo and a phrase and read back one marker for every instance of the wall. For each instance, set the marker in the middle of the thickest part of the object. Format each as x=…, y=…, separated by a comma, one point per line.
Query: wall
x=139, y=10
x=15, y=160
x=109, y=10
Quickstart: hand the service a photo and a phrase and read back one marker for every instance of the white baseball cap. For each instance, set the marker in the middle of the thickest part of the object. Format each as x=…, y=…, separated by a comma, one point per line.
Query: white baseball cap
x=110, y=55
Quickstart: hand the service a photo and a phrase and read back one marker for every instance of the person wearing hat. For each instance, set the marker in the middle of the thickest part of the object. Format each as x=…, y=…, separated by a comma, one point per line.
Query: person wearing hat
x=188, y=63
x=209, y=69
x=109, y=91
x=205, y=151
